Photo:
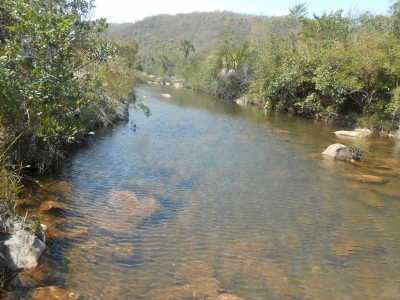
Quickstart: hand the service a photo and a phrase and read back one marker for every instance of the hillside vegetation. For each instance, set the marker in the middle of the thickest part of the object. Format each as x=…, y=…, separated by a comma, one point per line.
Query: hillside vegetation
x=338, y=66
x=163, y=33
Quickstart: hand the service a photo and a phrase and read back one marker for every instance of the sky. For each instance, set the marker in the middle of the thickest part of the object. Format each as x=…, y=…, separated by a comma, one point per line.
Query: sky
x=120, y=11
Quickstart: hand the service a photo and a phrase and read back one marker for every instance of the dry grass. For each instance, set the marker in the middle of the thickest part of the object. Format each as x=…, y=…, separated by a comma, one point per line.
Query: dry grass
x=357, y=149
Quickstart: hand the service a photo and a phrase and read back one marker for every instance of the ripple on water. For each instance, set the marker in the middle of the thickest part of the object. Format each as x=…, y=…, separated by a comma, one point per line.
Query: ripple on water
x=196, y=202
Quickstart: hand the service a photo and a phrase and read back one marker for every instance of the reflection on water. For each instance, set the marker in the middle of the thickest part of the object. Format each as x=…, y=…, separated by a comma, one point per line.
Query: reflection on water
x=209, y=200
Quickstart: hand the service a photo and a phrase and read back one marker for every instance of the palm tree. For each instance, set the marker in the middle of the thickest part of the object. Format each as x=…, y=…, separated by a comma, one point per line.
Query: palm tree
x=165, y=62
x=230, y=57
x=299, y=10
x=186, y=47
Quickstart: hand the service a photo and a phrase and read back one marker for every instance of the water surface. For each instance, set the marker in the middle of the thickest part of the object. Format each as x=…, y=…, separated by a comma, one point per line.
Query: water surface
x=208, y=197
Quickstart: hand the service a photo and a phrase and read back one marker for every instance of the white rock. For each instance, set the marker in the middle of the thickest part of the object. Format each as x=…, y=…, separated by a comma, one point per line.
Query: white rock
x=166, y=95
x=334, y=150
x=21, y=250
x=178, y=85
x=351, y=134
x=239, y=102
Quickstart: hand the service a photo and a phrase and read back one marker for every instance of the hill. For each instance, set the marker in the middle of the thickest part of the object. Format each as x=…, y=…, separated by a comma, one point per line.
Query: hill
x=163, y=33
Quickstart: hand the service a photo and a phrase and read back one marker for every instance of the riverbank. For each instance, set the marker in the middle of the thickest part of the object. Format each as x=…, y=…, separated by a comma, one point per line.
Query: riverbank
x=351, y=121
x=21, y=230
x=239, y=201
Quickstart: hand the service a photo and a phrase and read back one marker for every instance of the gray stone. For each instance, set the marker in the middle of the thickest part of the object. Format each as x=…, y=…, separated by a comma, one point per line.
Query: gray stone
x=335, y=150
x=114, y=110
x=13, y=225
x=21, y=250
x=178, y=85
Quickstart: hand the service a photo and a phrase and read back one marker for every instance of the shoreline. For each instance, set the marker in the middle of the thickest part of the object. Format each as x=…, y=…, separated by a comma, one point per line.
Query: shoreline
x=338, y=121
x=29, y=227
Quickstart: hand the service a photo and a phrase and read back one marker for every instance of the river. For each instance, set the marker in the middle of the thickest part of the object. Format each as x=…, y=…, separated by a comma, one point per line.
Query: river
x=206, y=198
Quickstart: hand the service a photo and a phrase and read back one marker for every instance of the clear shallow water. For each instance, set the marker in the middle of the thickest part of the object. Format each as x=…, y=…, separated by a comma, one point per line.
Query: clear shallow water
x=208, y=197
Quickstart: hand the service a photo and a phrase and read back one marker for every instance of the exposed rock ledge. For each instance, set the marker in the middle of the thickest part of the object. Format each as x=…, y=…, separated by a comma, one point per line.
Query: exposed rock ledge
x=353, y=134
x=114, y=110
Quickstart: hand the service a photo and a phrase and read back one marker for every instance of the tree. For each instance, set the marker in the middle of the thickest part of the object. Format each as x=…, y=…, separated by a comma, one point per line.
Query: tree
x=186, y=47
x=232, y=65
x=299, y=10
x=49, y=55
x=166, y=62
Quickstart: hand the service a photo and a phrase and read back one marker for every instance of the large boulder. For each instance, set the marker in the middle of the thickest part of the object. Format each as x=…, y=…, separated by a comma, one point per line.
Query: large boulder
x=335, y=150
x=113, y=109
x=21, y=250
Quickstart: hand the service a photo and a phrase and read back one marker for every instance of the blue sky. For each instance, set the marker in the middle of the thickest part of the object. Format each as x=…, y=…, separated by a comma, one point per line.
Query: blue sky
x=119, y=11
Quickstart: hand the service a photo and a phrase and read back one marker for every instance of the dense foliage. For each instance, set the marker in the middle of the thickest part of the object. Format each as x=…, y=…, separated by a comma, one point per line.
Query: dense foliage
x=54, y=70
x=332, y=65
x=336, y=66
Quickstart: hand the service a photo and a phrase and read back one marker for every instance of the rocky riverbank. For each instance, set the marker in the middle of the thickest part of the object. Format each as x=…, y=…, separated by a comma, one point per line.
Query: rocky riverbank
x=23, y=236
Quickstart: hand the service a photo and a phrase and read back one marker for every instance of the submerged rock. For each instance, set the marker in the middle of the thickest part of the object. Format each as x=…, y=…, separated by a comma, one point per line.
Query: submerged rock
x=226, y=297
x=276, y=277
x=124, y=211
x=21, y=204
x=197, y=282
x=21, y=250
x=367, y=178
x=193, y=271
x=346, y=248
x=54, y=292
x=62, y=188
x=32, y=277
x=281, y=131
x=52, y=206
x=129, y=206
x=335, y=150
x=53, y=233
x=7, y=296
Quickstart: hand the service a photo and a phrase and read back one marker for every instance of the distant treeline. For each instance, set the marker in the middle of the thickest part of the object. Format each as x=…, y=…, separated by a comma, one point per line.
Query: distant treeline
x=334, y=66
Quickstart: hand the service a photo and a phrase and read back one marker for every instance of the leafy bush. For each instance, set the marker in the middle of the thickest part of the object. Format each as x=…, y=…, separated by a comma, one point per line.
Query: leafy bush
x=52, y=68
